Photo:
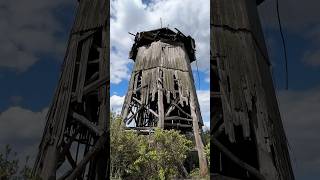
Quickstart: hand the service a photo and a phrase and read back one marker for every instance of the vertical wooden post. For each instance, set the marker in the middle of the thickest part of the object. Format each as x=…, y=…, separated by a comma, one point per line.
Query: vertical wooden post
x=199, y=144
x=160, y=102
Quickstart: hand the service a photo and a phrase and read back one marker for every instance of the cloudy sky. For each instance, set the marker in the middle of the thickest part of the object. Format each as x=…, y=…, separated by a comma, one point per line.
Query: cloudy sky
x=190, y=17
x=33, y=41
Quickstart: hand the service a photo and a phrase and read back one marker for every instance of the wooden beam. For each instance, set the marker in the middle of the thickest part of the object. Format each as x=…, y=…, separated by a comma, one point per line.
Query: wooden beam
x=139, y=128
x=130, y=119
x=160, y=105
x=150, y=110
x=82, y=164
x=171, y=108
x=177, y=118
x=93, y=86
x=183, y=112
x=236, y=160
x=199, y=144
x=178, y=125
x=92, y=78
x=95, y=61
x=84, y=121
x=70, y=159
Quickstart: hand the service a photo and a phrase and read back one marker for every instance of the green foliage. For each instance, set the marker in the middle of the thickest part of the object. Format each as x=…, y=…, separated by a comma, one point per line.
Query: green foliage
x=9, y=167
x=124, y=148
x=156, y=156
x=8, y=164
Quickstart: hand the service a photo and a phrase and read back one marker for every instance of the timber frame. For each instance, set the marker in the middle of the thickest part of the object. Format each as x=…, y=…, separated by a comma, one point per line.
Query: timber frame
x=161, y=90
x=75, y=142
x=247, y=136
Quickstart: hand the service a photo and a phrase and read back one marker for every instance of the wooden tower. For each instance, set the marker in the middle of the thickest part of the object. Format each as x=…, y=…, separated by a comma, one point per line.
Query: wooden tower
x=75, y=139
x=161, y=91
x=247, y=136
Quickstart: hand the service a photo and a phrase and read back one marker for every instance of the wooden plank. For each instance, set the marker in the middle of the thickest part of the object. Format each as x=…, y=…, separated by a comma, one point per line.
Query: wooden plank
x=246, y=83
x=84, y=121
x=177, y=118
x=91, y=14
x=199, y=144
x=160, y=104
x=83, y=68
x=93, y=152
x=236, y=160
x=178, y=125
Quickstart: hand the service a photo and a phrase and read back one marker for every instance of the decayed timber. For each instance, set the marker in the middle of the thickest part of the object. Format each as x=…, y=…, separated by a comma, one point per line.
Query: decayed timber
x=161, y=90
x=243, y=95
x=78, y=116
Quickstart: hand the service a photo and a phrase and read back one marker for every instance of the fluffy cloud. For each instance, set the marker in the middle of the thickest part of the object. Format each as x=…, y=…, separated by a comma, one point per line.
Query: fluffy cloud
x=204, y=101
x=191, y=17
x=29, y=29
x=116, y=103
x=300, y=114
x=21, y=129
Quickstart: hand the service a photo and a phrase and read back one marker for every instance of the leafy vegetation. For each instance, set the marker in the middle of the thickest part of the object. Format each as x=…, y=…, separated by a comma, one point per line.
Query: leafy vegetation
x=159, y=155
x=9, y=166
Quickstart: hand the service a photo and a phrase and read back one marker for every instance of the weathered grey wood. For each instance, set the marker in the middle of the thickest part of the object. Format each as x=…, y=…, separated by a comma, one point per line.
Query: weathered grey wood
x=84, y=121
x=75, y=84
x=162, y=80
x=93, y=152
x=160, y=110
x=83, y=68
x=247, y=95
x=255, y=172
x=181, y=110
x=177, y=118
x=178, y=125
x=199, y=144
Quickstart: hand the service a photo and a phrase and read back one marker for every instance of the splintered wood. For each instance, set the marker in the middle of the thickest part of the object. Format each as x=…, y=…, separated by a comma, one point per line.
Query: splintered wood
x=161, y=91
x=161, y=61
x=77, y=120
x=249, y=107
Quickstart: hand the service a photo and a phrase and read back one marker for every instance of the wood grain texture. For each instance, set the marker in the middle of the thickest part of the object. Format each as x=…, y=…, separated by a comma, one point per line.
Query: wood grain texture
x=248, y=99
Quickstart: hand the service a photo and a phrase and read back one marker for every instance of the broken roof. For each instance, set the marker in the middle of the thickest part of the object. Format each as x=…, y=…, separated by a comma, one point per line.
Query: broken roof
x=163, y=34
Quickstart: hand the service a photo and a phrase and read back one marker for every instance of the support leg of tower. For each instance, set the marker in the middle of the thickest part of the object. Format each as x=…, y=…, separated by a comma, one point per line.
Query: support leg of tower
x=199, y=144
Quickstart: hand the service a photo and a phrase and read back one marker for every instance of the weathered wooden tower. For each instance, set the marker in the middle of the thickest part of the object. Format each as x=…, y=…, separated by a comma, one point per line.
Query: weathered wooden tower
x=247, y=136
x=161, y=91
x=75, y=140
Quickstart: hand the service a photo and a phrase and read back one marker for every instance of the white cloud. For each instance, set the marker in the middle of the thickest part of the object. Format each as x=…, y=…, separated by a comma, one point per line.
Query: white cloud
x=300, y=114
x=17, y=122
x=116, y=103
x=29, y=29
x=191, y=17
x=118, y=68
x=22, y=130
x=204, y=101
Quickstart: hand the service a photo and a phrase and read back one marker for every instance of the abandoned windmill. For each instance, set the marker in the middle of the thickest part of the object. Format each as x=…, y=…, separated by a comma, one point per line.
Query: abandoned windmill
x=161, y=90
x=247, y=136
x=75, y=139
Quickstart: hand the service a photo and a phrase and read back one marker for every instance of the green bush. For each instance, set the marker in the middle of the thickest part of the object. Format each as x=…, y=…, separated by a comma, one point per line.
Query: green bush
x=159, y=155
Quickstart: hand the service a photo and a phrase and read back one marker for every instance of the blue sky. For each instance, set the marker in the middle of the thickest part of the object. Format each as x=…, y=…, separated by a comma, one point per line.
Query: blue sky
x=136, y=16
x=34, y=40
